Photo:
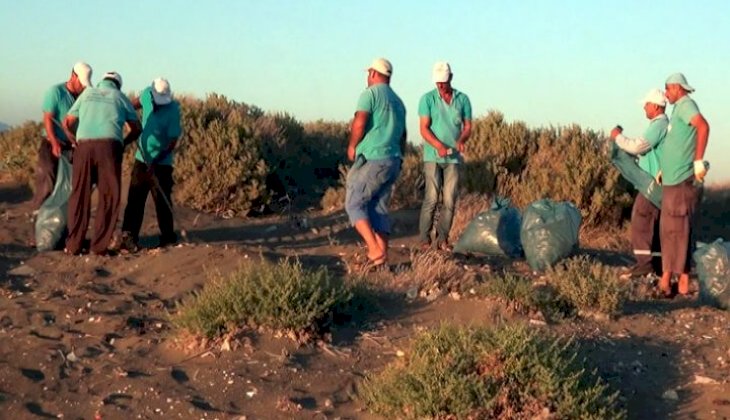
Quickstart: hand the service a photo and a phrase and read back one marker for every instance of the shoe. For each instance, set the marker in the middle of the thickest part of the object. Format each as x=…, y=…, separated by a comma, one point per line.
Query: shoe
x=167, y=240
x=127, y=243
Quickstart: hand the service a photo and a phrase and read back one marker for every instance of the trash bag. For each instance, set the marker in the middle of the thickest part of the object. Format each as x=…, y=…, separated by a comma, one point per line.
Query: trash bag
x=493, y=232
x=713, y=269
x=640, y=179
x=50, y=224
x=549, y=232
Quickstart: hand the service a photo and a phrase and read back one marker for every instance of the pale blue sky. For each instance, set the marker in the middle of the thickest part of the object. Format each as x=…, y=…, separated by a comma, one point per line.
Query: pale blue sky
x=543, y=62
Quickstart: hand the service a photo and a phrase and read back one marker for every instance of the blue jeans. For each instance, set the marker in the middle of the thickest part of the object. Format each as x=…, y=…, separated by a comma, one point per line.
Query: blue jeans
x=369, y=185
x=440, y=178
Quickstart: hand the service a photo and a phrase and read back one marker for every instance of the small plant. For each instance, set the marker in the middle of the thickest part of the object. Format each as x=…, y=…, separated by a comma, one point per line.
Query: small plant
x=507, y=372
x=511, y=289
x=591, y=287
x=280, y=297
x=20, y=150
x=435, y=269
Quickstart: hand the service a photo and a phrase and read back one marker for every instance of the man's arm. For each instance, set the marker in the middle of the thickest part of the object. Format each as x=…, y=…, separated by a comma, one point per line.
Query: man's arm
x=357, y=132
x=136, y=102
x=464, y=136
x=703, y=134
x=48, y=123
x=70, y=123
x=135, y=129
x=430, y=138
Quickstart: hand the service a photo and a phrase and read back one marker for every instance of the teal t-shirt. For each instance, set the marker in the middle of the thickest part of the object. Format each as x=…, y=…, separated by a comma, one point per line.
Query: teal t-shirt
x=58, y=100
x=102, y=112
x=678, y=150
x=447, y=121
x=654, y=135
x=160, y=126
x=386, y=123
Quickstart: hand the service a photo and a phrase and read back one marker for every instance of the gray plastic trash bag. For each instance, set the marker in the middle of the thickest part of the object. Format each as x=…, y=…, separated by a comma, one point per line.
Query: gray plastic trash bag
x=713, y=269
x=640, y=179
x=549, y=232
x=493, y=232
x=50, y=224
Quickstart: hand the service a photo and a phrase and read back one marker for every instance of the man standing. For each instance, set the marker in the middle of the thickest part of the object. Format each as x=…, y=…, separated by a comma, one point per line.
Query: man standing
x=377, y=143
x=645, y=215
x=445, y=121
x=56, y=103
x=153, y=164
x=95, y=125
x=682, y=171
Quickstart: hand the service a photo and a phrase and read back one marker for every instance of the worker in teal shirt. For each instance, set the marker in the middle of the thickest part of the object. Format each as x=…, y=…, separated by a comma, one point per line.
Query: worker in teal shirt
x=152, y=172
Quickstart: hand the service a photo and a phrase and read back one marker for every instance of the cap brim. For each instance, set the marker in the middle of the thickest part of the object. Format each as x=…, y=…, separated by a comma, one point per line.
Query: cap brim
x=85, y=81
x=688, y=88
x=161, y=99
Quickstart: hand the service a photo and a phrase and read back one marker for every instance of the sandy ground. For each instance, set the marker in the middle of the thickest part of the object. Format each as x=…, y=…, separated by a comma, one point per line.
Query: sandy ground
x=88, y=337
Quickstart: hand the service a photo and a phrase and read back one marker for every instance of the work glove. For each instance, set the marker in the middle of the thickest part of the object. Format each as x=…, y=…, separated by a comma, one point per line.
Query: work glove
x=700, y=170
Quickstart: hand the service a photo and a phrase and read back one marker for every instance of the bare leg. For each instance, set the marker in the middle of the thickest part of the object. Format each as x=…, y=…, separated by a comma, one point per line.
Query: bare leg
x=365, y=230
x=665, y=283
x=382, y=243
x=683, y=284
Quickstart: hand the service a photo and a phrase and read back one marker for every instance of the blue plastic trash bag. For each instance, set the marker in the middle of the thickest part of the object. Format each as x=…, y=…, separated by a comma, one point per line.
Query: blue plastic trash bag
x=50, y=223
x=640, y=179
x=493, y=232
x=549, y=232
x=713, y=269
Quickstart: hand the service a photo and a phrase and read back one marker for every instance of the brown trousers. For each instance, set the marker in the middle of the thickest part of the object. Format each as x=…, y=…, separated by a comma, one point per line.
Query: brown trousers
x=645, y=234
x=95, y=162
x=679, y=206
x=45, y=173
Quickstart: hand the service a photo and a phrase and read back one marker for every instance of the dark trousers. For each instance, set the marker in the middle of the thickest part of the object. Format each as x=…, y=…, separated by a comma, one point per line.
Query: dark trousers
x=679, y=206
x=645, y=234
x=45, y=173
x=95, y=162
x=140, y=185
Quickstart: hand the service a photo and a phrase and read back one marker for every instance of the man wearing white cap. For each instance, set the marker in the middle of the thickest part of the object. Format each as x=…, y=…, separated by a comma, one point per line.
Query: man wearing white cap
x=95, y=125
x=682, y=171
x=645, y=215
x=152, y=170
x=376, y=146
x=445, y=121
x=56, y=103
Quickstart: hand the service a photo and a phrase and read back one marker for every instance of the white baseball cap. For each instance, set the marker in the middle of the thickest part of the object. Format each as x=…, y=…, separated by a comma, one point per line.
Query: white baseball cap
x=112, y=75
x=161, y=91
x=441, y=72
x=382, y=66
x=83, y=72
x=655, y=96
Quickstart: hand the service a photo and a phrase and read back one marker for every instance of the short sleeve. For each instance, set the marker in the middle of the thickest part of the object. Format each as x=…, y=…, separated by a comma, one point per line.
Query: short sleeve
x=366, y=101
x=656, y=132
x=129, y=113
x=466, y=111
x=50, y=100
x=424, y=107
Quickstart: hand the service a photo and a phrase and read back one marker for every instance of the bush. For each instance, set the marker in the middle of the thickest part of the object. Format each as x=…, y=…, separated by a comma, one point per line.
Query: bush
x=20, y=151
x=408, y=188
x=435, y=270
x=503, y=372
x=280, y=297
x=591, y=287
x=511, y=289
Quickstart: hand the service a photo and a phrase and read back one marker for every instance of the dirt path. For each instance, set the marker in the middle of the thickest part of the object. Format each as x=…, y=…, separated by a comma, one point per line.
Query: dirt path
x=89, y=336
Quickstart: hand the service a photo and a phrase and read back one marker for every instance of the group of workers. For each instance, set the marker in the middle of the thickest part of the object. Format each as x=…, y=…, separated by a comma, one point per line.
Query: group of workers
x=91, y=120
x=87, y=123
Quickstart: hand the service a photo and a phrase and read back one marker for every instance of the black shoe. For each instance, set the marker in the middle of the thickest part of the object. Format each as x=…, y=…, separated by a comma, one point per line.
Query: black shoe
x=127, y=243
x=168, y=240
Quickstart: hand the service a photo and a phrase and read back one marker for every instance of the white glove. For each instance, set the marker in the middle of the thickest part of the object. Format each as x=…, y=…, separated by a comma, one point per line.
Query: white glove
x=700, y=170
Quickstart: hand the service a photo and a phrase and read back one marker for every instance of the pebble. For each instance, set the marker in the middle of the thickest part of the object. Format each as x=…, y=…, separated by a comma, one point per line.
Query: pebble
x=670, y=395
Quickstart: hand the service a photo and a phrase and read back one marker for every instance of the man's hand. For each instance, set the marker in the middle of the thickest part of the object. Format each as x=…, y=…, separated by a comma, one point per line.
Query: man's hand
x=351, y=153
x=461, y=146
x=700, y=170
x=55, y=148
x=615, y=132
x=442, y=151
x=658, y=178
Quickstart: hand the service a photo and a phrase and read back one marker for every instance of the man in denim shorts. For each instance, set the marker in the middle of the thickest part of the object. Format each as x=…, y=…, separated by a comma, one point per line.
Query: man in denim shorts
x=376, y=146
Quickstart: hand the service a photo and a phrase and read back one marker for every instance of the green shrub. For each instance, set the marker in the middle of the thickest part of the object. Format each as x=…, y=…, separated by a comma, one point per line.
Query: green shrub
x=500, y=372
x=591, y=287
x=512, y=289
x=219, y=165
x=408, y=188
x=20, y=151
x=280, y=297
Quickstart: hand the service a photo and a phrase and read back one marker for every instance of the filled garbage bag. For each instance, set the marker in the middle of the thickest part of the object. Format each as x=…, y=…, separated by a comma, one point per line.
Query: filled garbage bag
x=493, y=232
x=549, y=232
x=713, y=269
x=644, y=183
x=50, y=223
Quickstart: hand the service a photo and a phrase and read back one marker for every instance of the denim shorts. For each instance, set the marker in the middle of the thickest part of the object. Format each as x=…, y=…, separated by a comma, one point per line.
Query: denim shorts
x=369, y=184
